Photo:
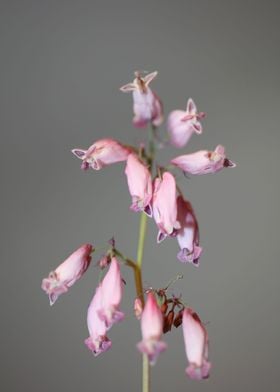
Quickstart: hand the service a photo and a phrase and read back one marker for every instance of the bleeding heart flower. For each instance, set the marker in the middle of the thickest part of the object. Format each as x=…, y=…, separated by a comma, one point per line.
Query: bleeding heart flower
x=188, y=235
x=140, y=184
x=182, y=124
x=147, y=106
x=203, y=162
x=97, y=342
x=151, y=327
x=196, y=345
x=111, y=295
x=165, y=206
x=102, y=153
x=67, y=273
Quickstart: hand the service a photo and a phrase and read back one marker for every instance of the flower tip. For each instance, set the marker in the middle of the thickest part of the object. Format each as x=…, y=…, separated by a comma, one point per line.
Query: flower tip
x=199, y=373
x=78, y=153
x=229, y=163
x=52, y=298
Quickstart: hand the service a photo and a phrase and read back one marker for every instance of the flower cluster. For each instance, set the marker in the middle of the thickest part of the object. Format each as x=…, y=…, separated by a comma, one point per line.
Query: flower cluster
x=156, y=193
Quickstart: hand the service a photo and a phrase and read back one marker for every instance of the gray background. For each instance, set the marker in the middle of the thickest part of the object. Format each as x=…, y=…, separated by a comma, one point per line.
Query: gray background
x=62, y=63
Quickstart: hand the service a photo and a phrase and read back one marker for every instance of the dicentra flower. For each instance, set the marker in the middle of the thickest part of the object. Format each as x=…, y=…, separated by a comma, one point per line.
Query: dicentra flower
x=140, y=184
x=147, y=106
x=182, y=124
x=203, y=162
x=111, y=295
x=196, y=345
x=188, y=235
x=97, y=342
x=165, y=206
x=102, y=153
x=67, y=273
x=151, y=327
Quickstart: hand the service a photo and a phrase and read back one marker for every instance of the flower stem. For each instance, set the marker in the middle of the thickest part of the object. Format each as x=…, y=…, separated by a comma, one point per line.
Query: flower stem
x=139, y=288
x=141, y=241
x=138, y=269
x=146, y=374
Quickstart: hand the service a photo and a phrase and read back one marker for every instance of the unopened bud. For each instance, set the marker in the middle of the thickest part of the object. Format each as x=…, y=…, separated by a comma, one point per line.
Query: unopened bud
x=138, y=308
x=168, y=321
x=164, y=308
x=178, y=319
x=104, y=261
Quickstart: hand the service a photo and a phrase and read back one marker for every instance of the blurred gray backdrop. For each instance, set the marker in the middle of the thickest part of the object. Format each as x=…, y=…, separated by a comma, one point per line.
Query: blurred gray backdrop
x=62, y=63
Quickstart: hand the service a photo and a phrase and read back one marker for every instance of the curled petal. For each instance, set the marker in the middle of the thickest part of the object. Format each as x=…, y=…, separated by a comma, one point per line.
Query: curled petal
x=98, y=344
x=152, y=347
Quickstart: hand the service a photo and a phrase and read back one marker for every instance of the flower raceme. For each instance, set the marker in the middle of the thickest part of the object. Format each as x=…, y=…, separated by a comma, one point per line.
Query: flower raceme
x=182, y=124
x=165, y=206
x=151, y=327
x=174, y=217
x=102, y=153
x=196, y=345
x=203, y=162
x=147, y=106
x=188, y=235
x=67, y=273
x=140, y=184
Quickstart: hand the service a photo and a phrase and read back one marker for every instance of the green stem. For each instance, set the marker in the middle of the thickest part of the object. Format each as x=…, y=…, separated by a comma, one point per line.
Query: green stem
x=139, y=287
x=146, y=374
x=141, y=240
x=138, y=269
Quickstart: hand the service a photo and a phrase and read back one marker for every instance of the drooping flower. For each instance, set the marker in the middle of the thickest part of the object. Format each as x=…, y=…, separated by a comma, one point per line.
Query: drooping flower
x=147, y=106
x=203, y=162
x=140, y=184
x=182, y=124
x=102, y=153
x=67, y=273
x=165, y=206
x=196, y=345
x=188, y=235
x=151, y=327
x=97, y=342
x=111, y=295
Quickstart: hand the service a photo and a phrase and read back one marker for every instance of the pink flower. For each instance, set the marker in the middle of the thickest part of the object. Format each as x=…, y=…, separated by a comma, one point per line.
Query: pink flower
x=111, y=295
x=165, y=206
x=196, y=345
x=151, y=327
x=203, y=162
x=140, y=184
x=67, y=273
x=102, y=153
x=182, y=124
x=188, y=235
x=97, y=342
x=146, y=105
